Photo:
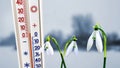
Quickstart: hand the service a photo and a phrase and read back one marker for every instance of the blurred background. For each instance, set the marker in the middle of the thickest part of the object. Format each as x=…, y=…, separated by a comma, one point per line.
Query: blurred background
x=63, y=19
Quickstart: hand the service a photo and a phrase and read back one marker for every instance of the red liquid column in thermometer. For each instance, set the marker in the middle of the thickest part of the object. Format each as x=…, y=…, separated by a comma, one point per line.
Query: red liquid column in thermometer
x=22, y=34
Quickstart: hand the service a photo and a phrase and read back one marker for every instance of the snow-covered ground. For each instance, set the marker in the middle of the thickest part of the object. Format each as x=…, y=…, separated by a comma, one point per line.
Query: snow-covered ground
x=8, y=59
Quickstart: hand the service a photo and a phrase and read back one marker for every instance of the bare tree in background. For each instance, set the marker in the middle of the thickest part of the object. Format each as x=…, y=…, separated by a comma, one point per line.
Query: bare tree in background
x=82, y=28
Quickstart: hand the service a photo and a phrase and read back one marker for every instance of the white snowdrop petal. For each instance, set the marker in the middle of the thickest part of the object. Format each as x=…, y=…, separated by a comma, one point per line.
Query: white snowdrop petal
x=49, y=51
x=46, y=50
x=69, y=49
x=99, y=44
x=90, y=41
x=76, y=48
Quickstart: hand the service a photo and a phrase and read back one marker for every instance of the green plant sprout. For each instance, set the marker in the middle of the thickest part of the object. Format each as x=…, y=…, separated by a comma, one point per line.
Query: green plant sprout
x=96, y=36
x=70, y=46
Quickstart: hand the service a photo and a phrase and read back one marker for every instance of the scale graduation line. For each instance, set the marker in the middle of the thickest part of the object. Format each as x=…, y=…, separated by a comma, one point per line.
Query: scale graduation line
x=21, y=33
x=36, y=33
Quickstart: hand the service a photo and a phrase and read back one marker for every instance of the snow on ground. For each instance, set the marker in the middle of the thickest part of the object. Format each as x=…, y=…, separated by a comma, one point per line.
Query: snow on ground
x=8, y=59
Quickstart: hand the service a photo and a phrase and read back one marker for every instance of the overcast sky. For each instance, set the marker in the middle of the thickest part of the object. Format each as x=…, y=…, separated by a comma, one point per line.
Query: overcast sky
x=57, y=15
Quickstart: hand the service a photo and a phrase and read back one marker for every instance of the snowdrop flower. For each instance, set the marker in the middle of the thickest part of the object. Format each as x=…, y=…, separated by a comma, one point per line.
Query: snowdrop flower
x=50, y=51
x=72, y=47
x=48, y=48
x=95, y=36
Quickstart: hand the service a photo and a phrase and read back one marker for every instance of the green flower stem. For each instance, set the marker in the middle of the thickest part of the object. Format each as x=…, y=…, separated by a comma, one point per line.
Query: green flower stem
x=65, y=48
x=61, y=65
x=63, y=61
x=105, y=46
x=57, y=45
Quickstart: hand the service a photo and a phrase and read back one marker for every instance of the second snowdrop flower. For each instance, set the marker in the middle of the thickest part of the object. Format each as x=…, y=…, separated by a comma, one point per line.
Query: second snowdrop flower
x=72, y=47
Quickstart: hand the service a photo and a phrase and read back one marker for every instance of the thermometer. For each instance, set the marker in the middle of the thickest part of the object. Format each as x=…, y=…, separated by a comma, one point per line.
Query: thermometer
x=35, y=19
x=28, y=31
